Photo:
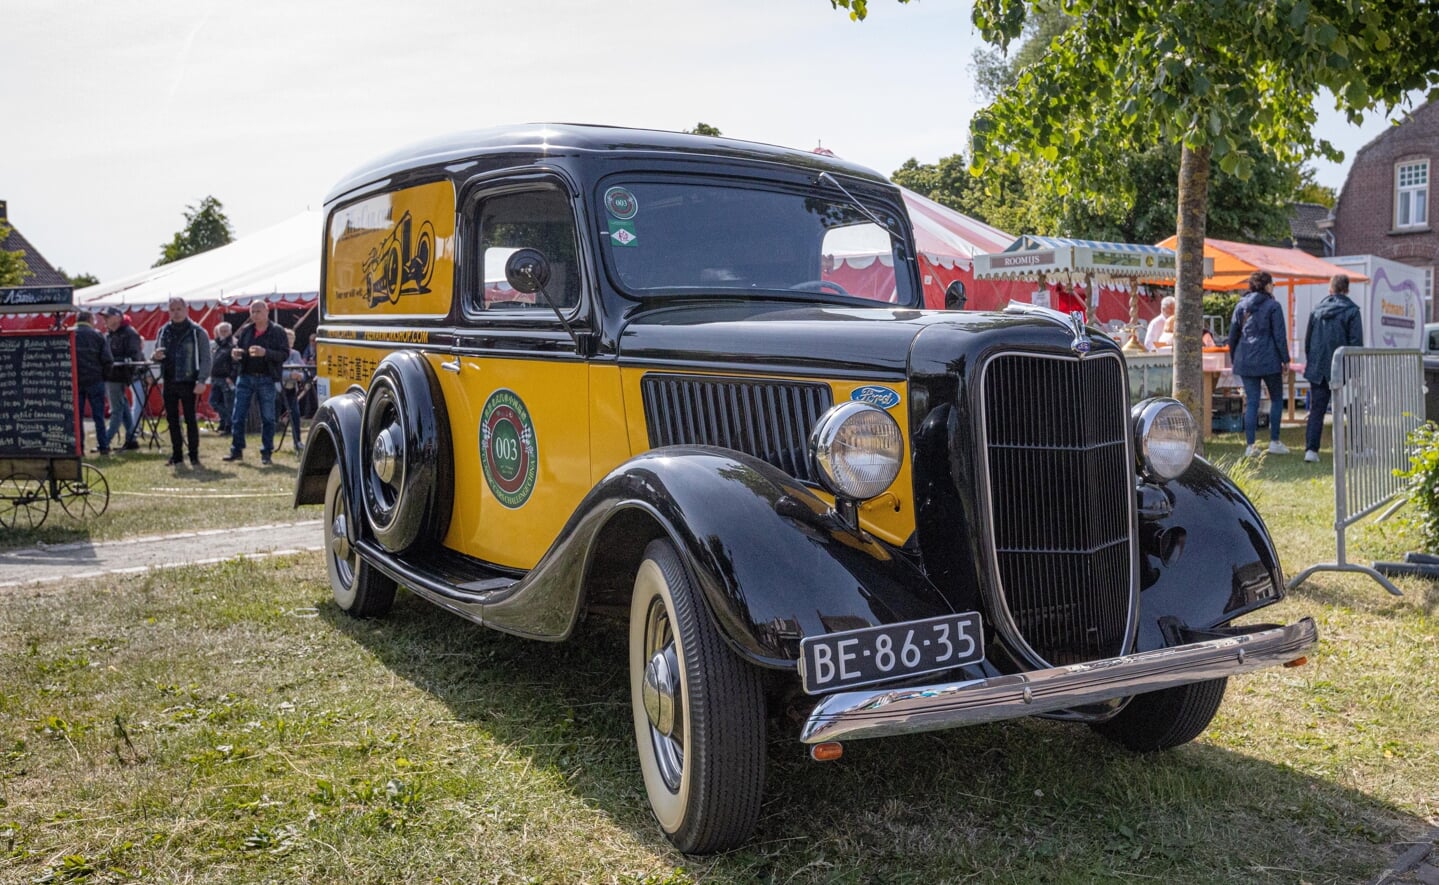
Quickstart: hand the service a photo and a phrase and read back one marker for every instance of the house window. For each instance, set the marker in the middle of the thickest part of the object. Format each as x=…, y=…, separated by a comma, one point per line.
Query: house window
x=1411, y=194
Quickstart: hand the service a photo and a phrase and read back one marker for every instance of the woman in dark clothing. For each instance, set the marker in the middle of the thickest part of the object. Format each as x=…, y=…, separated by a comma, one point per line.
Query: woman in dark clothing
x=1259, y=348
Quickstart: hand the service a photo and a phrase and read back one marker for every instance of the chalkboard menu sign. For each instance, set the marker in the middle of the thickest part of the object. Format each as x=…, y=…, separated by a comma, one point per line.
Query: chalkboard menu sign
x=36, y=299
x=37, y=395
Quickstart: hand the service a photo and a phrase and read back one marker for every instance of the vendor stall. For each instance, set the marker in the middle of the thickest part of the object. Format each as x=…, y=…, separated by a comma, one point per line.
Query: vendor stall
x=1108, y=277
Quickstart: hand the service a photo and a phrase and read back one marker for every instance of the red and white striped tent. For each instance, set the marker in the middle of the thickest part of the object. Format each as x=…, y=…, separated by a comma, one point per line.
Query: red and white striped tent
x=279, y=265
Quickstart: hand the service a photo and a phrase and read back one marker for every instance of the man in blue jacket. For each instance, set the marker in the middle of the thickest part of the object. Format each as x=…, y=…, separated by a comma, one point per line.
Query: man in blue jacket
x=1334, y=323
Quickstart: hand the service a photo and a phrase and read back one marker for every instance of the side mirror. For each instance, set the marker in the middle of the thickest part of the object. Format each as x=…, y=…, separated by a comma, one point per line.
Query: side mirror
x=527, y=270
x=954, y=297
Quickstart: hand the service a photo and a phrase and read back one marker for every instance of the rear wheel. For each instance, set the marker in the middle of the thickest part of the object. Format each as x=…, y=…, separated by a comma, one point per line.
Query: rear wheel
x=1167, y=718
x=358, y=587
x=698, y=711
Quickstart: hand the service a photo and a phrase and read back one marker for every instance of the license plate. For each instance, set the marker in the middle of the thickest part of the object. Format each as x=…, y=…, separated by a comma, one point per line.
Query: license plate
x=879, y=654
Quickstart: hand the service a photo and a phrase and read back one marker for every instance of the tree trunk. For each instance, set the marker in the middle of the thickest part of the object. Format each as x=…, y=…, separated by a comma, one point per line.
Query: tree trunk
x=1189, y=288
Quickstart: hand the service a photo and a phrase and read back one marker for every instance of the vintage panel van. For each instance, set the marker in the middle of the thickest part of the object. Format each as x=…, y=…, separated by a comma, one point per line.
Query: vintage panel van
x=571, y=370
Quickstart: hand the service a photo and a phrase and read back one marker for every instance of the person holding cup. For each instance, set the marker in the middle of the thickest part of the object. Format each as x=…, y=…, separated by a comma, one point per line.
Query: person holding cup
x=261, y=348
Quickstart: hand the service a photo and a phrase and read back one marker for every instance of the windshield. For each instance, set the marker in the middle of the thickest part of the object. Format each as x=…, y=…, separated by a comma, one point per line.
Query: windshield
x=683, y=237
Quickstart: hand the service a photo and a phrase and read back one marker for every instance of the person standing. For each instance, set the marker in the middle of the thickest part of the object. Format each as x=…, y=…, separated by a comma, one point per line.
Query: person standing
x=129, y=352
x=1259, y=349
x=222, y=375
x=183, y=352
x=92, y=364
x=1156, y=328
x=1334, y=323
x=294, y=376
x=260, y=350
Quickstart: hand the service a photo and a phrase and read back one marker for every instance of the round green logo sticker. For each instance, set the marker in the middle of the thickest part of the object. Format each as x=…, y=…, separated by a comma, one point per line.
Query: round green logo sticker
x=509, y=454
x=621, y=203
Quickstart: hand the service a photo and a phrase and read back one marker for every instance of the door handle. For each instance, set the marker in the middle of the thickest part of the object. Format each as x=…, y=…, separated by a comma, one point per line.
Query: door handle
x=452, y=367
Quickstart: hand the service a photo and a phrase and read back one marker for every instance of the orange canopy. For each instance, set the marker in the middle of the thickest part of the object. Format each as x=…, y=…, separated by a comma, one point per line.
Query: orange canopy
x=1234, y=262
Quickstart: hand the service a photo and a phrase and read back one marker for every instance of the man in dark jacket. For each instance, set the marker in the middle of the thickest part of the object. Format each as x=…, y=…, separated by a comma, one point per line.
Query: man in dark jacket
x=261, y=348
x=222, y=376
x=92, y=364
x=129, y=352
x=183, y=352
x=1335, y=322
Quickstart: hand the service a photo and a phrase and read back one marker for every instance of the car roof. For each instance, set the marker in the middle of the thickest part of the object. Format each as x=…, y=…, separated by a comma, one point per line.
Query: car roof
x=558, y=138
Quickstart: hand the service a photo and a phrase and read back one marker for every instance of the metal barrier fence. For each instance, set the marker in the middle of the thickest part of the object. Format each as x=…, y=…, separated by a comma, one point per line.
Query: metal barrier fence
x=1378, y=400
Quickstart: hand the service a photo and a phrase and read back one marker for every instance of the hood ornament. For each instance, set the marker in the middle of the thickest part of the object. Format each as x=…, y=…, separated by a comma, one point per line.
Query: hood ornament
x=1081, y=342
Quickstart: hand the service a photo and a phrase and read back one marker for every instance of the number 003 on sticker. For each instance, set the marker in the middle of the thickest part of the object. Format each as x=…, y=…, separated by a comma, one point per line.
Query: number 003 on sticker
x=894, y=651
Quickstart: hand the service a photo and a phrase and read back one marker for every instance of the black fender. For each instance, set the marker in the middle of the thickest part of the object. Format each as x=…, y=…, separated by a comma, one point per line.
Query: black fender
x=405, y=406
x=1205, y=555
x=334, y=439
x=771, y=559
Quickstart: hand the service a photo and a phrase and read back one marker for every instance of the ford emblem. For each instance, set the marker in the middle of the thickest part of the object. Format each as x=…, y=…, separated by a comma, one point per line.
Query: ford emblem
x=882, y=397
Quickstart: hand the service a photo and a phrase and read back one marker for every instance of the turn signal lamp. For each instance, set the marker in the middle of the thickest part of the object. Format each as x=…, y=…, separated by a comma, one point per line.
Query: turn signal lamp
x=828, y=751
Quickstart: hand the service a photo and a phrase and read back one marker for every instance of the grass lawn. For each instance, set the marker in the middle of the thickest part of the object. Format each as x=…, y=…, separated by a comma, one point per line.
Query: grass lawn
x=148, y=498
x=228, y=724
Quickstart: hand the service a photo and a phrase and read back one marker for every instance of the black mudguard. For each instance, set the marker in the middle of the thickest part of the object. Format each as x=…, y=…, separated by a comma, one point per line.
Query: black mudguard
x=771, y=559
x=1205, y=555
x=334, y=438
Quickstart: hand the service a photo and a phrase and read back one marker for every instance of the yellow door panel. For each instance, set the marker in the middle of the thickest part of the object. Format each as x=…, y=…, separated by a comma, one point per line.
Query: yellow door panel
x=520, y=430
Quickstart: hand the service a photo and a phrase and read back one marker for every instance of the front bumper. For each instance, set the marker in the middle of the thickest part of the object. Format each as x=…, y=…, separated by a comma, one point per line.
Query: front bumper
x=882, y=712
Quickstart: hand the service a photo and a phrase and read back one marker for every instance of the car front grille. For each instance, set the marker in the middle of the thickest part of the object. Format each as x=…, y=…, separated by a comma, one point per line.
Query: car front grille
x=1059, y=484
x=770, y=420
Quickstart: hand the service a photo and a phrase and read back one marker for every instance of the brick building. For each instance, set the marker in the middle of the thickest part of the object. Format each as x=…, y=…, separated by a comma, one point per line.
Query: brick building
x=1387, y=205
x=41, y=272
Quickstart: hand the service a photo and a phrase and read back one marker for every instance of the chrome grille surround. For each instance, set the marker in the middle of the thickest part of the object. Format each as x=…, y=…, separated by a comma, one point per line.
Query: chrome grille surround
x=769, y=419
x=1057, y=484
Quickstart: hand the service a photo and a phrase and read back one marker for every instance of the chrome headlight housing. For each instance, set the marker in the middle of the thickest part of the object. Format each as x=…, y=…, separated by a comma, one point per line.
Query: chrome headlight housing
x=857, y=450
x=1165, y=436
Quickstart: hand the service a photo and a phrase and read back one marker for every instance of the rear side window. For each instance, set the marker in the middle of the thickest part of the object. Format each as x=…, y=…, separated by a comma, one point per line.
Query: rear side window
x=534, y=219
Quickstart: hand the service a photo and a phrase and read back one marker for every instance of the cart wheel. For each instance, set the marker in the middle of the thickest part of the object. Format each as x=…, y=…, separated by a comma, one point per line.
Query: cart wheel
x=86, y=497
x=24, y=503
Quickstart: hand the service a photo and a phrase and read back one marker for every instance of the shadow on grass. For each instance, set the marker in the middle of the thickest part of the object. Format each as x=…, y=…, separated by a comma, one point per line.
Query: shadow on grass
x=1025, y=800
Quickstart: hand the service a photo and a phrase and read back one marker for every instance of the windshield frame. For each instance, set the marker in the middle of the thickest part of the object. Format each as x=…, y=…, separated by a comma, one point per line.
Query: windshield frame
x=875, y=197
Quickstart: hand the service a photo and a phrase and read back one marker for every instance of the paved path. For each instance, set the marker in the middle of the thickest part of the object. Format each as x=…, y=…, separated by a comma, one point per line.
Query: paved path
x=69, y=562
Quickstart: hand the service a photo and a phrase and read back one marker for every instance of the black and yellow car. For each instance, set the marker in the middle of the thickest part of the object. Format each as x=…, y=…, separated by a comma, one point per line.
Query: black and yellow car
x=569, y=370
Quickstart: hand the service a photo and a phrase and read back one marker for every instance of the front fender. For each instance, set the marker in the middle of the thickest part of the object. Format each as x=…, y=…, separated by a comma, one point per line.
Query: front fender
x=771, y=560
x=1204, y=562
x=334, y=439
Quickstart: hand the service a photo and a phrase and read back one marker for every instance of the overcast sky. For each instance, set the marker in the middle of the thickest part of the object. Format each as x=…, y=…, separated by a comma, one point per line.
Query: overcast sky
x=119, y=114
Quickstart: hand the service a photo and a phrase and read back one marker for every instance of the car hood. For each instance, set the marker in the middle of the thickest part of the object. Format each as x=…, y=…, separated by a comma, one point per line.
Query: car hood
x=832, y=340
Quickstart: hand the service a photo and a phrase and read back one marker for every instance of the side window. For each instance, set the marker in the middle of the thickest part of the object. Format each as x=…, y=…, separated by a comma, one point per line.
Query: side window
x=535, y=219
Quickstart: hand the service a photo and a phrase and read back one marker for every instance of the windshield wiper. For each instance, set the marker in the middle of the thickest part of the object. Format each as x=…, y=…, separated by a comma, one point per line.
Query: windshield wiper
x=854, y=201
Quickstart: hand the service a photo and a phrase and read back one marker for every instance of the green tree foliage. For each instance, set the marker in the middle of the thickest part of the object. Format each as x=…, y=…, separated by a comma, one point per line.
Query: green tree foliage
x=704, y=129
x=81, y=280
x=947, y=182
x=13, y=268
x=205, y=228
x=1311, y=191
x=1232, y=83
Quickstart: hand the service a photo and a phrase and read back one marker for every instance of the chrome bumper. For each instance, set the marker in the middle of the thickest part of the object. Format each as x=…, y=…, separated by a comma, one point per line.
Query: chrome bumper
x=881, y=712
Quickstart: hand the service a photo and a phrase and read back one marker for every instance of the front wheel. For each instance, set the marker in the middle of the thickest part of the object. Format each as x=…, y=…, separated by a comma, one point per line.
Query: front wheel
x=698, y=711
x=1166, y=718
x=359, y=588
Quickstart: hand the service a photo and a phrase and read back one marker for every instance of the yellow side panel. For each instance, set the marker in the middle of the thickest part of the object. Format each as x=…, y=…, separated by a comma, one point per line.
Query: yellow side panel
x=889, y=516
x=609, y=443
x=393, y=254
x=520, y=431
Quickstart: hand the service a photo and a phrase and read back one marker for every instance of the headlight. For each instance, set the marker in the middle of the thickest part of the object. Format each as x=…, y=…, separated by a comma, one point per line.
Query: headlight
x=1165, y=435
x=856, y=449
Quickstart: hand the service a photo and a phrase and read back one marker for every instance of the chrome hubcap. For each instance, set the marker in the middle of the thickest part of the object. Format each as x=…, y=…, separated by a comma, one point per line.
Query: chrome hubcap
x=663, y=696
x=660, y=691
x=385, y=457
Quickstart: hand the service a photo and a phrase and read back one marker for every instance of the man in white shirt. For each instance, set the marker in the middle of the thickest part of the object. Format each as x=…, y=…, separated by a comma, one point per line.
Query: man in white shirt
x=1156, y=325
